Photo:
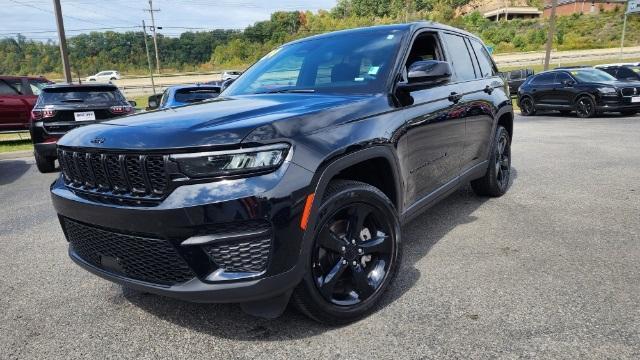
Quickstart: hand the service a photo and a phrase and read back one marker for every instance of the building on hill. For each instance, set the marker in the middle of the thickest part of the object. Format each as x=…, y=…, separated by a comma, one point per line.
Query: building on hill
x=503, y=9
x=569, y=7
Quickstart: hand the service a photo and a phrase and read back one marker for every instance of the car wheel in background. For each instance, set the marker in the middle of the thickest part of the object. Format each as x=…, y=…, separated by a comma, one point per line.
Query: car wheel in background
x=496, y=180
x=44, y=164
x=113, y=79
x=527, y=106
x=585, y=107
x=355, y=254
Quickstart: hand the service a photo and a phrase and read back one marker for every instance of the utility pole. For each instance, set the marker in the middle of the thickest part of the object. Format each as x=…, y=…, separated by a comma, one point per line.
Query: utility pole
x=552, y=32
x=146, y=47
x=63, y=42
x=624, y=31
x=151, y=10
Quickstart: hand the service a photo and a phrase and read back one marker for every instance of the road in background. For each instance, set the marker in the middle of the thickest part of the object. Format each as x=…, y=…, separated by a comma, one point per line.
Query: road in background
x=550, y=270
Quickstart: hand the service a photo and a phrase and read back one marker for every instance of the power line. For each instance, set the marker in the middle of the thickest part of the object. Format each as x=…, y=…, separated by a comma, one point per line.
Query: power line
x=49, y=11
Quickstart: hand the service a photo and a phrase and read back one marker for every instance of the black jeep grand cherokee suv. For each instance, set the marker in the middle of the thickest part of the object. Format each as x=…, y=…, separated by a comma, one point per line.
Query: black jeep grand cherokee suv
x=294, y=183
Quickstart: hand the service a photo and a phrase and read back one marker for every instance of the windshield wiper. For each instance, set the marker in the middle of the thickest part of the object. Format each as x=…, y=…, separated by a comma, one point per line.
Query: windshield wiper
x=292, y=91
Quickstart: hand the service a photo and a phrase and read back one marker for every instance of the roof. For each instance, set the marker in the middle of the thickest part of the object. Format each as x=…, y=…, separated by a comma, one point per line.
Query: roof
x=23, y=77
x=92, y=84
x=407, y=27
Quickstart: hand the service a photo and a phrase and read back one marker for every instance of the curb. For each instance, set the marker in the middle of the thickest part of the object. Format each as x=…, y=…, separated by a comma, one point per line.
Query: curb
x=16, y=154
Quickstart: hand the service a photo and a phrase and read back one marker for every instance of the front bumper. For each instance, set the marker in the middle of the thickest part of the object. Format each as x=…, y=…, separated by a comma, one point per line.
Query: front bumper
x=616, y=104
x=194, y=212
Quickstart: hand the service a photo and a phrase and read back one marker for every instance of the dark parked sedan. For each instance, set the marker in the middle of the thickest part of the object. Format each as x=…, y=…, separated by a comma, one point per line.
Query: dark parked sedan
x=586, y=91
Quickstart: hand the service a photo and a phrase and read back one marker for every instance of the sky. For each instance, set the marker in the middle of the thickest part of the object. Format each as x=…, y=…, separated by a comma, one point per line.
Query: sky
x=35, y=18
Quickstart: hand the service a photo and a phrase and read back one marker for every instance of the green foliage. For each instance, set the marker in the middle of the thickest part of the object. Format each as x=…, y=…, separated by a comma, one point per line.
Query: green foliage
x=219, y=49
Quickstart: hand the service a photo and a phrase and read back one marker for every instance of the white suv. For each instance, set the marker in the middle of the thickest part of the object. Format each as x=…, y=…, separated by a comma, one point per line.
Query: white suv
x=230, y=75
x=105, y=76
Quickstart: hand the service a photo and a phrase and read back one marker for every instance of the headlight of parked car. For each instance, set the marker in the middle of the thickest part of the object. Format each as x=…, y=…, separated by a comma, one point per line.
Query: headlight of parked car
x=233, y=162
x=607, y=91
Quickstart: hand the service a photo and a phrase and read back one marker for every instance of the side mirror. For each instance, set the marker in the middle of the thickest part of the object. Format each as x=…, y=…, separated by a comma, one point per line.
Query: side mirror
x=133, y=103
x=426, y=74
x=226, y=83
x=153, y=102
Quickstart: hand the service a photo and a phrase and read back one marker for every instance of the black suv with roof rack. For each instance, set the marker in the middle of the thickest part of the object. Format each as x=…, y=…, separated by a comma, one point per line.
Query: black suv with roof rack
x=292, y=185
x=62, y=107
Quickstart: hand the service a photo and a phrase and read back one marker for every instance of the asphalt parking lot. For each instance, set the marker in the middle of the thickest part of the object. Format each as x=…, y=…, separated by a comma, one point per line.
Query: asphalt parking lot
x=550, y=270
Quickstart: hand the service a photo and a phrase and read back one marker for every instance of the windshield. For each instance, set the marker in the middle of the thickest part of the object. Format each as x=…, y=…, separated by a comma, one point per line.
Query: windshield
x=89, y=95
x=592, y=75
x=196, y=94
x=353, y=63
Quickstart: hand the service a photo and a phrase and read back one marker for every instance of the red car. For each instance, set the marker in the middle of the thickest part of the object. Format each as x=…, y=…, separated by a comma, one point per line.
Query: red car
x=18, y=95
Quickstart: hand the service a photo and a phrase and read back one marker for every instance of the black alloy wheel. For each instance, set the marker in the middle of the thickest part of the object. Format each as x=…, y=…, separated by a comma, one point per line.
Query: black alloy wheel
x=527, y=107
x=502, y=161
x=585, y=107
x=354, y=255
x=495, y=181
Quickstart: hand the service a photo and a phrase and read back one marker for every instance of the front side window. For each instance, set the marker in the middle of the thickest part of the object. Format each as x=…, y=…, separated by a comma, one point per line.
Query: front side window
x=459, y=57
x=353, y=63
x=563, y=78
x=190, y=95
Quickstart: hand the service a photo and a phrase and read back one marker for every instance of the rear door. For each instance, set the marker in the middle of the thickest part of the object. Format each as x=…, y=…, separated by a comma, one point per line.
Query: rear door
x=14, y=105
x=542, y=88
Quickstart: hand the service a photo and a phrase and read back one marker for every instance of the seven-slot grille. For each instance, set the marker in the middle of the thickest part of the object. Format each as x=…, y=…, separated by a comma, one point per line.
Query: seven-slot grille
x=137, y=176
x=631, y=91
x=136, y=257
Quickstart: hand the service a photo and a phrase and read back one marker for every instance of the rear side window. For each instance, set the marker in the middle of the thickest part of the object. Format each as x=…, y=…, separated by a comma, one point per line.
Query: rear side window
x=487, y=69
x=6, y=89
x=543, y=79
x=37, y=85
x=85, y=95
x=459, y=57
x=196, y=94
x=627, y=73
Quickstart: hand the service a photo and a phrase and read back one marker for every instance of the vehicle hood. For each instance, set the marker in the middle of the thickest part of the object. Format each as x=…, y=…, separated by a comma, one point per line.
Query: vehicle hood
x=616, y=84
x=224, y=121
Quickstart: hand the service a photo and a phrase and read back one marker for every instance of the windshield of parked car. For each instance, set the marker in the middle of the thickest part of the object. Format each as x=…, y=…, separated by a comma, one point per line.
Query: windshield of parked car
x=88, y=95
x=196, y=94
x=356, y=62
x=592, y=75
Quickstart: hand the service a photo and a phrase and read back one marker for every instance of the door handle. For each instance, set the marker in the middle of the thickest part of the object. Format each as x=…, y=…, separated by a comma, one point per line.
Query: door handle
x=454, y=97
x=488, y=89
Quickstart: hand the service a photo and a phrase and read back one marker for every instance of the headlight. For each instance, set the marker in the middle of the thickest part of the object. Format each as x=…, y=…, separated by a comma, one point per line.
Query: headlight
x=607, y=91
x=234, y=162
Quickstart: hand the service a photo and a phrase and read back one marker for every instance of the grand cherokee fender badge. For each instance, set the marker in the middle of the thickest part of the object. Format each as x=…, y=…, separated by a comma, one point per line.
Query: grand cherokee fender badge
x=98, y=140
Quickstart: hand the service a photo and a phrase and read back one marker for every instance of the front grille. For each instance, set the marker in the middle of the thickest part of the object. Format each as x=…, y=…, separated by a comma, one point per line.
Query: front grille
x=631, y=91
x=250, y=250
x=136, y=257
x=127, y=176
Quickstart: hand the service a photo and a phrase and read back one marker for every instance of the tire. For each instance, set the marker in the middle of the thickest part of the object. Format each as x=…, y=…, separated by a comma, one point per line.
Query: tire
x=113, y=79
x=586, y=107
x=495, y=181
x=629, y=112
x=92, y=79
x=355, y=288
x=44, y=164
x=527, y=106
x=565, y=112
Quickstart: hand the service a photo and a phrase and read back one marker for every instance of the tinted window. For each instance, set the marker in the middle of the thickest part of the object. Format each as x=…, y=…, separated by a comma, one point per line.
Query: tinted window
x=459, y=57
x=562, y=77
x=196, y=94
x=628, y=73
x=84, y=95
x=543, y=79
x=355, y=63
x=487, y=68
x=6, y=89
